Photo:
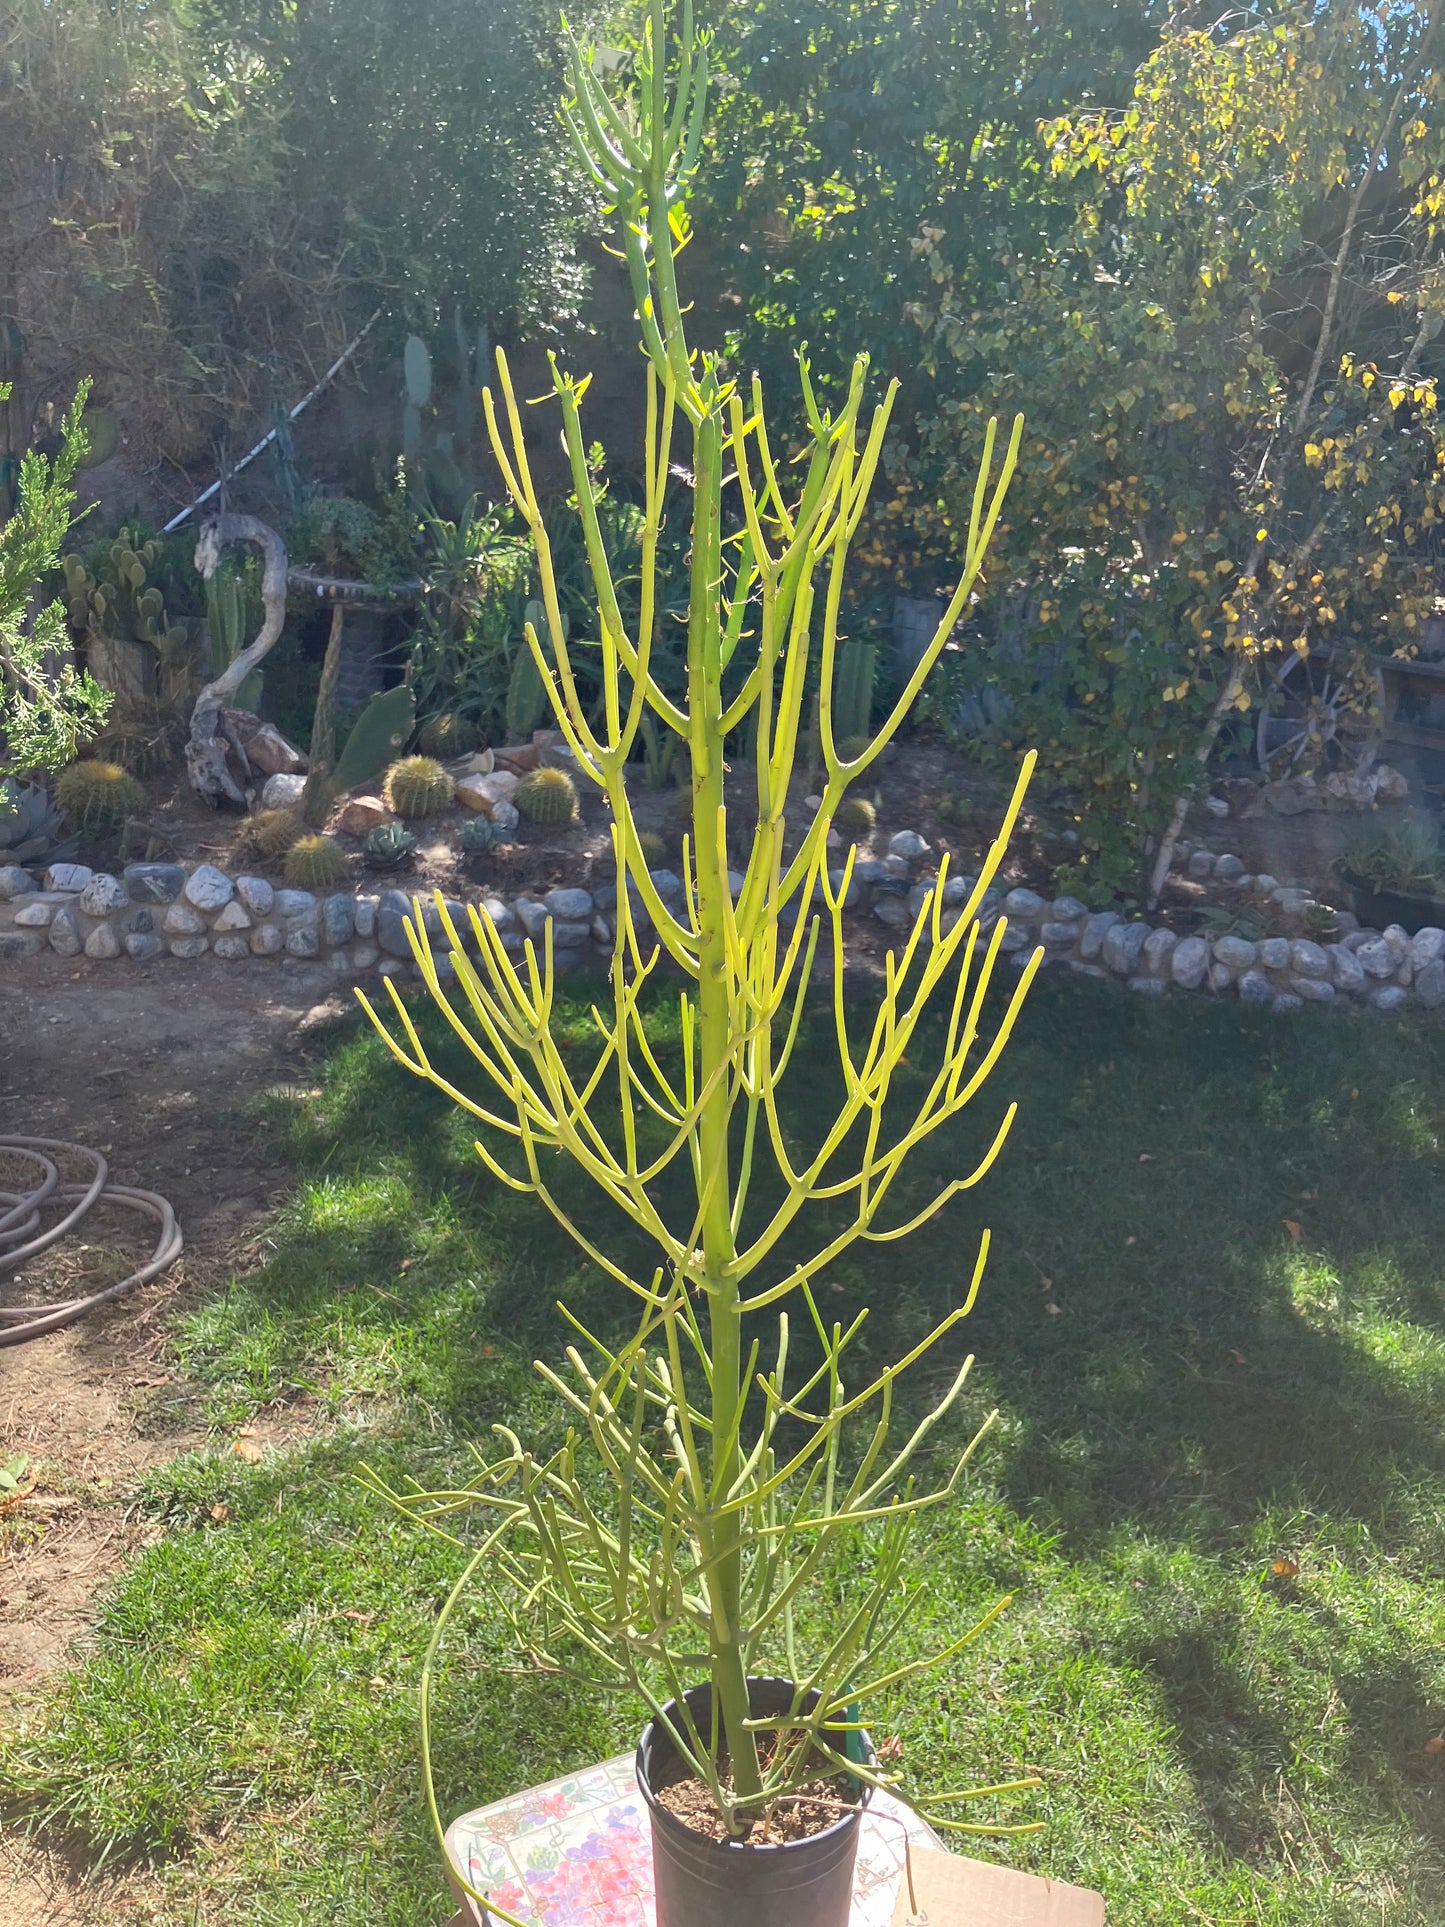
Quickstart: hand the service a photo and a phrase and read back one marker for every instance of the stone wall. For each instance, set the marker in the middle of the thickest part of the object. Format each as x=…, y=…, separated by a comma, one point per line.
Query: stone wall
x=163, y=910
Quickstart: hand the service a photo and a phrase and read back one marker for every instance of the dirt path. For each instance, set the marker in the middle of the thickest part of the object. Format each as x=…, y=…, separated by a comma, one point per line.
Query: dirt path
x=157, y=1067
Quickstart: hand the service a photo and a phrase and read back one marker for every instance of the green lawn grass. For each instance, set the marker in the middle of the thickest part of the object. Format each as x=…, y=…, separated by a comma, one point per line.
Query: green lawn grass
x=1212, y=1324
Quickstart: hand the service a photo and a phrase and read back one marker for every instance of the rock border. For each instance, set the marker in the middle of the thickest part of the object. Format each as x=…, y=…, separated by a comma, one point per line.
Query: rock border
x=160, y=910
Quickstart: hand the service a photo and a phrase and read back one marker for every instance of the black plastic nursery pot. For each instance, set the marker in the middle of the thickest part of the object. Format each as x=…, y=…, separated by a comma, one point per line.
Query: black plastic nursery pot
x=1376, y=908
x=727, y=1883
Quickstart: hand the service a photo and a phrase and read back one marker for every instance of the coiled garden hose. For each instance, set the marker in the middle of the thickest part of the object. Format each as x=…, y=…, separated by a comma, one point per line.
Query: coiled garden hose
x=21, y=1237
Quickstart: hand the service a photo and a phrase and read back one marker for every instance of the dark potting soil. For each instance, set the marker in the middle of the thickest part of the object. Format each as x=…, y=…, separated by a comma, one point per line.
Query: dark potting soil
x=812, y=1808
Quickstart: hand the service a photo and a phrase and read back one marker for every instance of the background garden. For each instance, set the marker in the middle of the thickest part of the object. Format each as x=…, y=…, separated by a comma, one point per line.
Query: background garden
x=258, y=258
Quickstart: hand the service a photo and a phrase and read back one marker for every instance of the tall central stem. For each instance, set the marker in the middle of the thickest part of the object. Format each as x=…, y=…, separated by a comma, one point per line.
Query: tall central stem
x=722, y=1534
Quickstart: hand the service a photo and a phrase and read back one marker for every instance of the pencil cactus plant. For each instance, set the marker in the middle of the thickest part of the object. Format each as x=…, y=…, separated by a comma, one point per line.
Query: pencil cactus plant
x=730, y=1488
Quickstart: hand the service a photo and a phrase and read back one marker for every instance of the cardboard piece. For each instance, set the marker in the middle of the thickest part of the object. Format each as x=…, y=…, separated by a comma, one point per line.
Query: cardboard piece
x=954, y=1892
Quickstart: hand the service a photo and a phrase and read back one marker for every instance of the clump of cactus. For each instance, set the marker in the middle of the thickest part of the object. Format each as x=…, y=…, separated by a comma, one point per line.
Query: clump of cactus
x=653, y=849
x=98, y=796
x=117, y=598
x=386, y=845
x=478, y=835
x=270, y=833
x=855, y=816
x=315, y=863
x=955, y=809
x=418, y=786
x=853, y=747
x=448, y=735
x=547, y=796
x=31, y=829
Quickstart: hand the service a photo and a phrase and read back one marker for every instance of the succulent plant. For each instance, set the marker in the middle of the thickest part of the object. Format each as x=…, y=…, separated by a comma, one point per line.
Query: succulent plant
x=853, y=746
x=526, y=692
x=546, y=796
x=478, y=835
x=418, y=786
x=855, y=670
x=315, y=863
x=119, y=599
x=98, y=796
x=270, y=833
x=386, y=845
x=375, y=737
x=448, y=735
x=30, y=828
x=855, y=816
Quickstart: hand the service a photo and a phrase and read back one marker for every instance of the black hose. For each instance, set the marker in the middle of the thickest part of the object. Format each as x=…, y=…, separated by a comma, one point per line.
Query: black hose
x=21, y=1236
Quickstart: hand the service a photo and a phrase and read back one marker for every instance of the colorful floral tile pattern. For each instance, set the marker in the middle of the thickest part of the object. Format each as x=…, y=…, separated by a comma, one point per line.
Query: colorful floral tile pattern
x=578, y=1853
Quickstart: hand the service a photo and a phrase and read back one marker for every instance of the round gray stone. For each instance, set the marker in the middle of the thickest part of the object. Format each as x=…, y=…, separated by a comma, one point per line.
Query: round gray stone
x=338, y=920
x=208, y=888
x=187, y=947
x=532, y=916
x=266, y=941
x=302, y=941
x=1059, y=936
x=1235, y=953
x=1255, y=988
x=1025, y=905
x=141, y=946
x=1309, y=960
x=64, y=932
x=294, y=903
x=153, y=882
x=257, y=894
x=33, y=916
x=907, y=844
x=1123, y=946
x=68, y=876
x=102, y=943
x=1158, y=952
x=1096, y=928
x=1427, y=946
x=1430, y=985
x=364, y=916
x=1220, y=977
x=1346, y=972
x=14, y=882
x=364, y=955
x=1274, y=953
x=505, y=817
x=1377, y=959
x=1229, y=869
x=391, y=931
x=101, y=895
x=853, y=896
x=1068, y=910
x=1312, y=989
x=1189, y=963
x=893, y=911
x=1285, y=1000
x=233, y=917
x=181, y=921
x=569, y=906
x=1388, y=997
x=1147, y=986
x=232, y=948
x=282, y=791
x=1201, y=864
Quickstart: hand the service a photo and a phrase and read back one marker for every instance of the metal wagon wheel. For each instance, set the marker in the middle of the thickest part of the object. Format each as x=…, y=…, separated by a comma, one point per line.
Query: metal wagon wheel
x=1320, y=713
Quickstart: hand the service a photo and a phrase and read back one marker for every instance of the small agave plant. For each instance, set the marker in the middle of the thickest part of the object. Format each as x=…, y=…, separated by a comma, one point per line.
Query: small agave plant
x=478, y=835
x=30, y=827
x=387, y=846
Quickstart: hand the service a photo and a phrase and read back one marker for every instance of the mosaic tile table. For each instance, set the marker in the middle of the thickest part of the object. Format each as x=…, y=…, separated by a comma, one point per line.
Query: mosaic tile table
x=578, y=1853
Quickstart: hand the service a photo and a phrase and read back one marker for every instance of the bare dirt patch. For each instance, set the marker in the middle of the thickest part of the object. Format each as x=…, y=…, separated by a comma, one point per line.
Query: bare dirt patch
x=158, y=1068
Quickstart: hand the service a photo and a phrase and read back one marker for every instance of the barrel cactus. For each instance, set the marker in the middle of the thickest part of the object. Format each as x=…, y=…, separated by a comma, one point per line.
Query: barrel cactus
x=270, y=833
x=418, y=786
x=315, y=863
x=98, y=796
x=448, y=735
x=547, y=796
x=386, y=845
x=855, y=816
x=478, y=835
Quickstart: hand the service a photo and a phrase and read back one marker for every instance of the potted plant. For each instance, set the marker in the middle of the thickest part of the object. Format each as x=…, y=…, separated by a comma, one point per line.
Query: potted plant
x=663, y=1548
x=1397, y=879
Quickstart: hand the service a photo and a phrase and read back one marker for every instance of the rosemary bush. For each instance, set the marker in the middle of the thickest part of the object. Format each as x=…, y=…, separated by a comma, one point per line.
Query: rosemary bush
x=729, y=1488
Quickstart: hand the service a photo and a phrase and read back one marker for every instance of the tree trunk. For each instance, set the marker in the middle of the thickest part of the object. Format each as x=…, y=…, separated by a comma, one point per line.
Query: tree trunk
x=205, y=752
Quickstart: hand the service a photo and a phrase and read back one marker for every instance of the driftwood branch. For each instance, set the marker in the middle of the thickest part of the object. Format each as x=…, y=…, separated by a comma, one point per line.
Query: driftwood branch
x=205, y=752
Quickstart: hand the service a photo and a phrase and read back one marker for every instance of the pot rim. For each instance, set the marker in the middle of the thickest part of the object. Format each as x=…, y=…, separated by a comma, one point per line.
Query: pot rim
x=661, y=1816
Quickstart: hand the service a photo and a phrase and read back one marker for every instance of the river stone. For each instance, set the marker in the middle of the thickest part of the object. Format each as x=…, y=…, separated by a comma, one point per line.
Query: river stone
x=505, y=817
x=1068, y=910
x=266, y=940
x=1346, y=972
x=257, y=894
x=569, y=906
x=1060, y=936
x=1284, y=1001
x=1265, y=885
x=102, y=895
x=302, y=941
x=570, y=934
x=1255, y=988
x=1015, y=938
x=364, y=955
x=141, y=946
x=1311, y=989
x=181, y=921
x=601, y=930
x=532, y=916
x=1026, y=905
x=1147, y=986
x=1357, y=939
x=71, y=877
x=1229, y=869
x=282, y=791
x=870, y=871
x=1405, y=975
x=64, y=932
x=233, y=917
x=907, y=844
x=142, y=921
x=232, y=948
x=498, y=912
x=34, y=916
x=1158, y=951
x=668, y=885
x=1189, y=962
x=1377, y=959
x=1086, y=970
x=1220, y=977
x=1398, y=938
x=1430, y=986
x=1123, y=945
x=338, y=919
x=1274, y=953
x=894, y=912
x=1309, y=960
x=1235, y=953
x=1096, y=928
x=293, y=903
x=1201, y=864
x=1427, y=946
x=853, y=893
x=14, y=882
x=187, y=947
x=364, y=917
x=153, y=882
x=102, y=943
x=208, y=888
x=1387, y=997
